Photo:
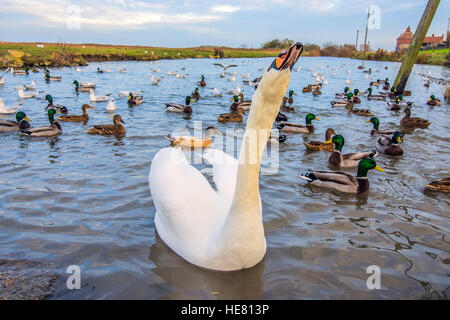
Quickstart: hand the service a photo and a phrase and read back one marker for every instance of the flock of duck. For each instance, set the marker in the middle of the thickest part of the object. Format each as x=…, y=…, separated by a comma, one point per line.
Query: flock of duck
x=388, y=141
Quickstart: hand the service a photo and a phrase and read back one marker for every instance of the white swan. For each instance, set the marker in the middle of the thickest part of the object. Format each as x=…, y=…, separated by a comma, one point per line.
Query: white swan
x=111, y=105
x=223, y=229
x=8, y=110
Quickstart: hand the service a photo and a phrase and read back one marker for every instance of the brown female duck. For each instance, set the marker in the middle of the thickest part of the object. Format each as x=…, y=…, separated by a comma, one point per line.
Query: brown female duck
x=76, y=118
x=413, y=122
x=116, y=129
x=318, y=145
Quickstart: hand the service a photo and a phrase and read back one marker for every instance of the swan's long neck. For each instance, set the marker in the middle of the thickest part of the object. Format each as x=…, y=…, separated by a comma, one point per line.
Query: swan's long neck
x=243, y=225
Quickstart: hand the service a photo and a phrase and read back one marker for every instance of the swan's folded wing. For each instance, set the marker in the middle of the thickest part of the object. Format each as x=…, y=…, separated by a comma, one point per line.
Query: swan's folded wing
x=224, y=172
x=187, y=207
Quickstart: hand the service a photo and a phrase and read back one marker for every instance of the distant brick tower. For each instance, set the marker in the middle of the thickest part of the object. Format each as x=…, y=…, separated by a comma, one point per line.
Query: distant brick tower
x=404, y=40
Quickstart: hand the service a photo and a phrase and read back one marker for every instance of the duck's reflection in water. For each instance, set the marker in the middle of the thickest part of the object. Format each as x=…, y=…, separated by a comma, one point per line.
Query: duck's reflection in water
x=188, y=281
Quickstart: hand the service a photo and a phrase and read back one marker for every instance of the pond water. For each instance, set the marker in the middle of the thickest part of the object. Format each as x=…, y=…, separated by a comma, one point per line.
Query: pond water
x=84, y=200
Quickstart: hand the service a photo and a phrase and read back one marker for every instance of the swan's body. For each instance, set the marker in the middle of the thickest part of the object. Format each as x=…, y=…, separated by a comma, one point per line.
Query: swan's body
x=7, y=110
x=223, y=229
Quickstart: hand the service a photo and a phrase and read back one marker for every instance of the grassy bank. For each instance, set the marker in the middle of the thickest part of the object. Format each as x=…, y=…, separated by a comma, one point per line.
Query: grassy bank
x=58, y=54
x=439, y=57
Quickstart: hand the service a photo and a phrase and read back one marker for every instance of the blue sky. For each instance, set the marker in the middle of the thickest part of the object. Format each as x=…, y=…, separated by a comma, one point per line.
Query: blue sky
x=200, y=22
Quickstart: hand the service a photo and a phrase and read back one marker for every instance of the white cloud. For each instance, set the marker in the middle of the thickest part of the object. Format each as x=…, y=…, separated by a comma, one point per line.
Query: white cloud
x=225, y=9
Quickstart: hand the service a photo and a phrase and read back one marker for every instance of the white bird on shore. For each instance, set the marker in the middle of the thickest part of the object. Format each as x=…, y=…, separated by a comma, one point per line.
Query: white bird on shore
x=94, y=98
x=22, y=95
x=111, y=105
x=31, y=86
x=6, y=109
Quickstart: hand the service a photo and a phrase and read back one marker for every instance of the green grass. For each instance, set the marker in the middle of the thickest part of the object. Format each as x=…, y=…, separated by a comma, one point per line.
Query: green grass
x=73, y=54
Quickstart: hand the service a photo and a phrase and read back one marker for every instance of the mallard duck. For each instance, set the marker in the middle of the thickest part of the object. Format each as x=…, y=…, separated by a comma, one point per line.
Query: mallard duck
x=371, y=96
x=135, y=100
x=442, y=185
x=47, y=77
x=346, y=160
x=8, y=110
x=376, y=124
x=355, y=98
x=195, y=95
x=115, y=129
x=390, y=146
x=20, y=72
x=45, y=131
x=342, y=181
x=31, y=86
x=360, y=112
x=281, y=117
x=342, y=95
x=426, y=84
x=194, y=142
x=386, y=86
x=375, y=83
x=234, y=106
x=298, y=128
x=286, y=108
x=232, y=116
x=433, y=101
x=75, y=118
x=94, y=98
x=21, y=123
x=202, y=82
x=318, y=145
x=343, y=103
x=291, y=98
x=307, y=89
x=111, y=105
x=317, y=91
x=173, y=107
x=395, y=105
x=314, y=86
x=58, y=107
x=127, y=93
x=83, y=86
x=246, y=105
x=414, y=122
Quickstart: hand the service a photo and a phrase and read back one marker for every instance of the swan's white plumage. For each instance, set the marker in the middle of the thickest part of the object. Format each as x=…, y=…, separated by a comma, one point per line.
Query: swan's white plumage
x=218, y=229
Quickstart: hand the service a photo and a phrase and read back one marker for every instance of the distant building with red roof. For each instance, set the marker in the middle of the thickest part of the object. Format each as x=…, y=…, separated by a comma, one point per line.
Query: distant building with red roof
x=429, y=42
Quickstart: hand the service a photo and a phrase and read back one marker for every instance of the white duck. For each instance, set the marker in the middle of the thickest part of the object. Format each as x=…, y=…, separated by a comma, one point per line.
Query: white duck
x=78, y=69
x=94, y=98
x=221, y=229
x=217, y=93
x=235, y=91
x=7, y=110
x=23, y=95
x=111, y=105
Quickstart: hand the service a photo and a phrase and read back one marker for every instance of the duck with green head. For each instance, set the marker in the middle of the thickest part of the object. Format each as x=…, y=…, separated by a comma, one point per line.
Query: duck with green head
x=195, y=95
x=21, y=123
x=371, y=96
x=298, y=128
x=376, y=128
x=343, y=103
x=341, y=181
x=433, y=101
x=291, y=98
x=58, y=107
x=81, y=87
x=348, y=160
x=202, y=82
x=134, y=100
x=234, y=106
x=45, y=131
x=355, y=98
x=390, y=146
x=47, y=77
x=284, y=107
x=343, y=95
x=179, y=108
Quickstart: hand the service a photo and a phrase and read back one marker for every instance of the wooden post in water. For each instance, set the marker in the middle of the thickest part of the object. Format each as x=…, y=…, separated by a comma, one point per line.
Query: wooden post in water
x=413, y=50
x=356, y=45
